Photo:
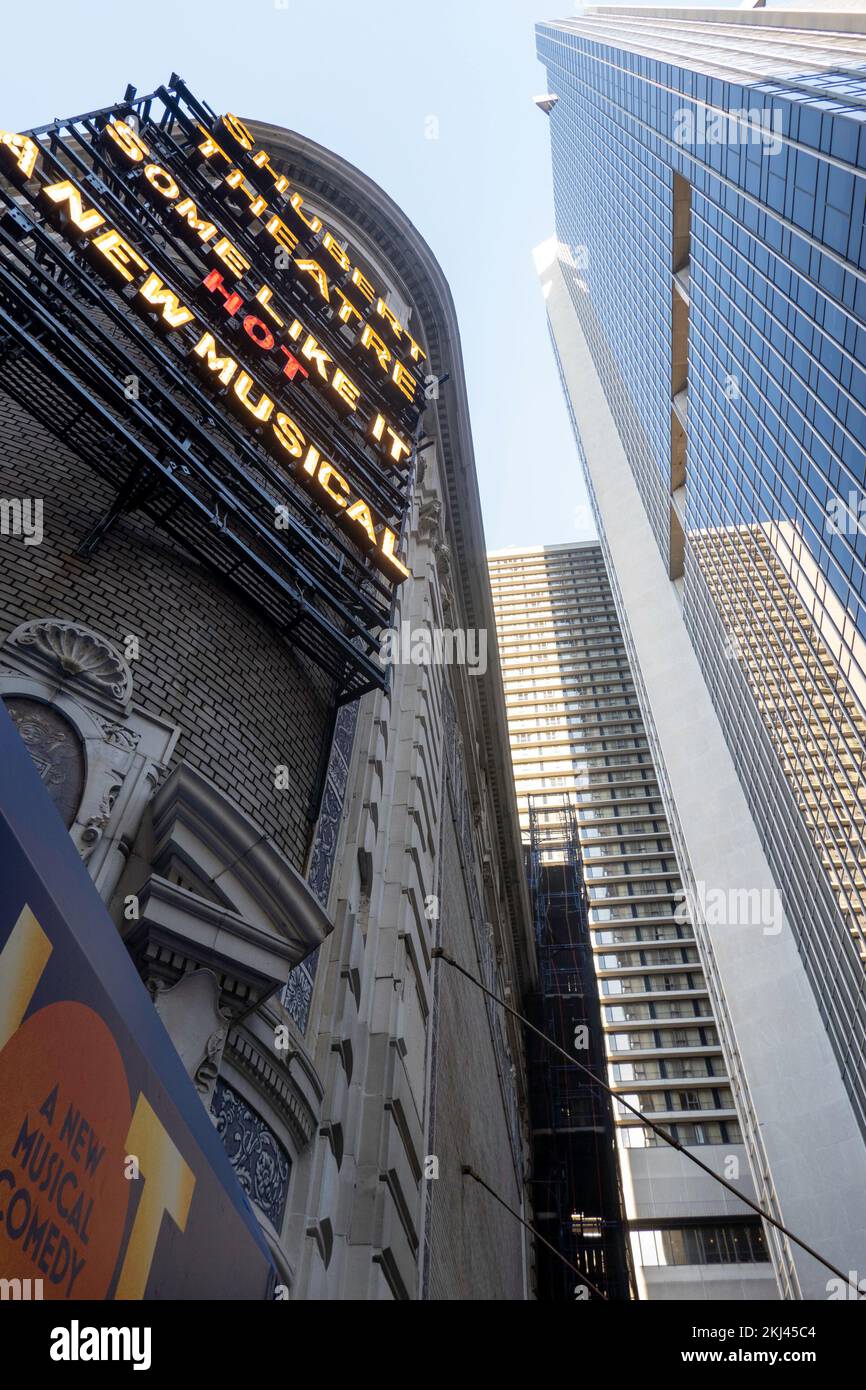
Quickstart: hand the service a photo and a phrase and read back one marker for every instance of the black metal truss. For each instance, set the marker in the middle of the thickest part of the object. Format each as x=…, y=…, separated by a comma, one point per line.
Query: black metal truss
x=172, y=450
x=144, y=224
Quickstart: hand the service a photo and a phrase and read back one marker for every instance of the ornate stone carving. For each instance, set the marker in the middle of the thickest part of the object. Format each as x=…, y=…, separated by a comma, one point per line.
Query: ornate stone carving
x=261, y=1164
x=195, y=1023
x=73, y=694
x=429, y=519
x=118, y=735
x=208, y=1069
x=95, y=825
x=272, y=1078
x=443, y=571
x=324, y=848
x=430, y=531
x=298, y=993
x=56, y=749
x=77, y=653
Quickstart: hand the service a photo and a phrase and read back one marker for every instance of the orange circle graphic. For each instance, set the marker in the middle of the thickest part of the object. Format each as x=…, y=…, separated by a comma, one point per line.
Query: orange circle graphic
x=64, y=1117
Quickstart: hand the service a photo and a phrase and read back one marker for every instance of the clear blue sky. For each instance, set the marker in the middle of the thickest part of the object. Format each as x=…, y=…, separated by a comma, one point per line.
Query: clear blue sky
x=365, y=79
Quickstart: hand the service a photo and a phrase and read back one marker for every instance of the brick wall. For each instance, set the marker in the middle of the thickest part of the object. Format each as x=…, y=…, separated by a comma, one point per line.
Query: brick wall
x=244, y=702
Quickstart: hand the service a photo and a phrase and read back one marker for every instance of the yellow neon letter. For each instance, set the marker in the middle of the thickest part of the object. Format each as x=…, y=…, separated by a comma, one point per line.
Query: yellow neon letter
x=162, y=181
x=264, y=409
x=404, y=380
x=66, y=192
x=315, y=270
x=206, y=349
x=370, y=339
x=127, y=140
x=118, y=252
x=325, y=474
x=389, y=540
x=289, y=435
x=360, y=512
x=238, y=131
x=25, y=150
x=188, y=210
x=232, y=257
x=156, y=292
x=314, y=223
x=345, y=388
x=281, y=233
x=336, y=251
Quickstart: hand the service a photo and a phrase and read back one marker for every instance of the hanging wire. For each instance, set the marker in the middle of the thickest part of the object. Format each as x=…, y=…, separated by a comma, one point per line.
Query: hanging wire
x=469, y=1172
x=439, y=953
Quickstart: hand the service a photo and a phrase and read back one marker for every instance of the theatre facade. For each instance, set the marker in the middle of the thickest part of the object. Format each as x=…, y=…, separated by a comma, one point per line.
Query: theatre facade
x=232, y=396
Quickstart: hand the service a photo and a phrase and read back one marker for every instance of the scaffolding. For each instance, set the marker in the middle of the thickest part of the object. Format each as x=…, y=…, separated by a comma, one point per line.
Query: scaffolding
x=576, y=1194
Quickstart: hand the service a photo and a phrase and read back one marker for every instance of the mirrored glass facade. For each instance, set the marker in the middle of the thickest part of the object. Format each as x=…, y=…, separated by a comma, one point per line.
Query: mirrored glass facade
x=710, y=186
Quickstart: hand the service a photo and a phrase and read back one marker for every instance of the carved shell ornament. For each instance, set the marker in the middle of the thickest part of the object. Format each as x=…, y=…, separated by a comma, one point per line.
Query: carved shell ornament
x=77, y=651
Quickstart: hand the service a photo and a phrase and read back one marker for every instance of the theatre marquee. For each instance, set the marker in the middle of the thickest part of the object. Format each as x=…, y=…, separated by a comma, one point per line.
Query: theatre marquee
x=174, y=311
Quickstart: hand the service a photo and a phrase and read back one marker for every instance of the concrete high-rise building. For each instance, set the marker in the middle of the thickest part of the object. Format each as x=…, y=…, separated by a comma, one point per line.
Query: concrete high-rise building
x=706, y=293
x=214, y=343
x=581, y=756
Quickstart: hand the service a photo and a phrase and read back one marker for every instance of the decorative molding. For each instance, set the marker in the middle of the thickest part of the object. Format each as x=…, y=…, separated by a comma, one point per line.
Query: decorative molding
x=95, y=824
x=298, y=994
x=198, y=962
x=325, y=844
x=445, y=577
x=118, y=735
x=207, y=1071
x=260, y=1162
x=429, y=527
x=194, y=819
x=179, y=930
x=76, y=654
x=195, y=1022
x=274, y=1082
x=54, y=671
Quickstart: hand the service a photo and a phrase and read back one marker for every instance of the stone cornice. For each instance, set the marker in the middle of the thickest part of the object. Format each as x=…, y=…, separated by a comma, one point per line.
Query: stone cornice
x=275, y=1082
x=188, y=799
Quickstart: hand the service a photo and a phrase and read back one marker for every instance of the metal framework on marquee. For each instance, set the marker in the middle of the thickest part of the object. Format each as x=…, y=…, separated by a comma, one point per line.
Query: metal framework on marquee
x=170, y=448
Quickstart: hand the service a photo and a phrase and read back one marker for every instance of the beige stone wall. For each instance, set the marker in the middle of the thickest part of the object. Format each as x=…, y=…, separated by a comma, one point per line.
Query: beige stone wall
x=411, y=1063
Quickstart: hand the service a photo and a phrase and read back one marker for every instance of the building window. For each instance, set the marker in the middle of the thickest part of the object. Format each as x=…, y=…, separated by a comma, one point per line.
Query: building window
x=740, y=1243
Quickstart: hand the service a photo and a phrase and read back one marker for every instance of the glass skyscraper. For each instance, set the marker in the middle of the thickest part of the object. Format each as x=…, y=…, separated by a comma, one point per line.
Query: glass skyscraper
x=706, y=291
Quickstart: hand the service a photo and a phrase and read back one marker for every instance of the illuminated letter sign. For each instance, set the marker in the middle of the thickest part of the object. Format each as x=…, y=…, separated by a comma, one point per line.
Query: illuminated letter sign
x=395, y=379
x=278, y=393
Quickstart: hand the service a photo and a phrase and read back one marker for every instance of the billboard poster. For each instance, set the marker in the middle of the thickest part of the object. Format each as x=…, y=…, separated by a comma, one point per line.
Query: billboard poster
x=113, y=1181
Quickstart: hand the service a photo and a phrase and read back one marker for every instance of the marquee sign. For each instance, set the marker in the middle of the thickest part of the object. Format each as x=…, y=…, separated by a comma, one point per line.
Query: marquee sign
x=158, y=272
